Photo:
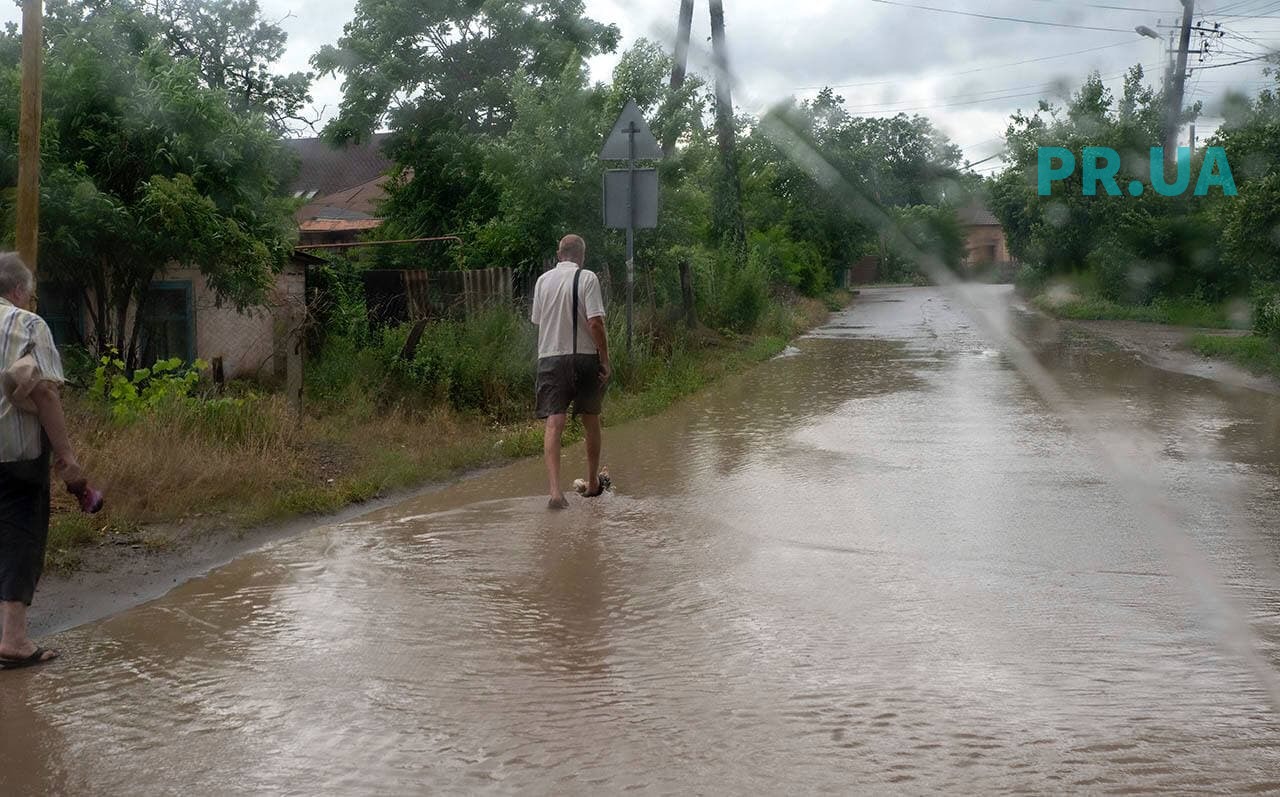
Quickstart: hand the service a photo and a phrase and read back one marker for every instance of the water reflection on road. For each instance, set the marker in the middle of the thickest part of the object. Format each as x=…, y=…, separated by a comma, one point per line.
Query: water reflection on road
x=880, y=562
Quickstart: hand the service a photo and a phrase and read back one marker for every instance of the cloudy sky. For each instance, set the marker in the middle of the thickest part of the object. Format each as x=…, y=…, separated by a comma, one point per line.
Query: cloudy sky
x=967, y=73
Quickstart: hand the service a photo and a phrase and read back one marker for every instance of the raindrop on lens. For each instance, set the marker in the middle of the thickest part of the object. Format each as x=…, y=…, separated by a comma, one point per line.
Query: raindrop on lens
x=1057, y=214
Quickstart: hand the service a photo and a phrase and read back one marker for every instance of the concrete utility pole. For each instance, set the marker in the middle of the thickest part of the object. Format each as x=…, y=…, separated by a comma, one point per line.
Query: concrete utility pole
x=1178, y=87
x=28, y=228
x=729, y=208
x=731, y=200
x=680, y=68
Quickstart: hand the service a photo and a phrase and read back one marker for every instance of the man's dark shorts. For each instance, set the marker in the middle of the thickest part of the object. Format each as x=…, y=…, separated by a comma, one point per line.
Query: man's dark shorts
x=570, y=379
x=24, y=526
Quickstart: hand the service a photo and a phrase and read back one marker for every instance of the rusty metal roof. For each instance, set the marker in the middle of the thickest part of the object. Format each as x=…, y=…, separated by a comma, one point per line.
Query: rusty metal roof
x=339, y=225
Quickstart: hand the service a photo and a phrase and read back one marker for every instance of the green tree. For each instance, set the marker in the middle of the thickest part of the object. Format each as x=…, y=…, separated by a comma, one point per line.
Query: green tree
x=235, y=49
x=147, y=169
x=1137, y=248
x=1251, y=222
x=444, y=76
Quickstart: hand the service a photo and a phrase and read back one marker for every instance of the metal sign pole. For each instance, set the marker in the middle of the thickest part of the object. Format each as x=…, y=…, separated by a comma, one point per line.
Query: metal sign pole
x=631, y=227
x=631, y=194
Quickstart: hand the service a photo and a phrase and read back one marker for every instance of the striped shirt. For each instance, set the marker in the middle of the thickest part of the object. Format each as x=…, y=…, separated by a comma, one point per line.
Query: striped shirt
x=23, y=333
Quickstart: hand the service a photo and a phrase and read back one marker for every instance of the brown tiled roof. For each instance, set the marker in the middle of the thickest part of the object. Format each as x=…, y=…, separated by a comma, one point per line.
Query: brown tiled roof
x=326, y=169
x=976, y=214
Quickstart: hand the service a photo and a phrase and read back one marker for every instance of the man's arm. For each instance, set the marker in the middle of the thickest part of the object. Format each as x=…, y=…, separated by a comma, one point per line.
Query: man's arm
x=596, y=327
x=49, y=403
x=53, y=420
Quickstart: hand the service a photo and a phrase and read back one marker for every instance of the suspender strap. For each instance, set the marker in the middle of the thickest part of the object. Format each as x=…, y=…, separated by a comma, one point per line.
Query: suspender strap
x=577, y=275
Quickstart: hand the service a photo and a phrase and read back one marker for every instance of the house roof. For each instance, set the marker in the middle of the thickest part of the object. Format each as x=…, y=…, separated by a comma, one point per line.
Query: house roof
x=976, y=214
x=326, y=169
x=357, y=202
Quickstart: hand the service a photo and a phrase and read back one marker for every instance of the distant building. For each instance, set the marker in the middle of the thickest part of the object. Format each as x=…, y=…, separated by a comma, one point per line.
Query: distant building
x=343, y=188
x=985, y=237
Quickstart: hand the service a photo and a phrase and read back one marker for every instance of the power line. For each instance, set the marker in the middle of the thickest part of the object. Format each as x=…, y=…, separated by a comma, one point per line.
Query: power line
x=886, y=107
x=984, y=160
x=969, y=71
x=1001, y=18
x=1110, y=7
x=1236, y=63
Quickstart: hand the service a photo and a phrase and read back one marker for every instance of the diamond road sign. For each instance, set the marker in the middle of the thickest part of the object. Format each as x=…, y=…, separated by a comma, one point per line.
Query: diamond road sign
x=631, y=124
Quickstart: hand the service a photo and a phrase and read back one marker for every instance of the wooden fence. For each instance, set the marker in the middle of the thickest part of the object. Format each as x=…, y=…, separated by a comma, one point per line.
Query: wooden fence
x=400, y=296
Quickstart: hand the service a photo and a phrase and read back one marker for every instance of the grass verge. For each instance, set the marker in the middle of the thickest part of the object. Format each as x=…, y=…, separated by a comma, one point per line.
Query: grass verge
x=1179, y=312
x=1258, y=355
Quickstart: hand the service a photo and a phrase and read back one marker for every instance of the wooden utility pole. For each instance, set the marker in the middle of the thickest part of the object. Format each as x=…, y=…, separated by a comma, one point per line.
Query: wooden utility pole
x=1177, y=90
x=28, y=231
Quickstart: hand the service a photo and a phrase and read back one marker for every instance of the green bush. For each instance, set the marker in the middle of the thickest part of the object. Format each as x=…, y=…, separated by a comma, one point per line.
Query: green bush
x=1266, y=310
x=129, y=396
x=485, y=363
x=745, y=301
x=1117, y=275
x=729, y=298
x=784, y=261
x=1031, y=279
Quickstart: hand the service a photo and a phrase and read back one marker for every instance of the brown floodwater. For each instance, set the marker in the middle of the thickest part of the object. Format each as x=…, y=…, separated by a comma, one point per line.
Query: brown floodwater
x=877, y=563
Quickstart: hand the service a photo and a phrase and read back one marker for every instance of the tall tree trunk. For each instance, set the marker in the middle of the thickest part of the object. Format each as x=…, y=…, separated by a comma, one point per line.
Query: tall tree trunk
x=728, y=222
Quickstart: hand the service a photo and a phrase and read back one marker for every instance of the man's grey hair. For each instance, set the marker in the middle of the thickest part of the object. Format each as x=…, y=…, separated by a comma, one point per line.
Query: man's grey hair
x=572, y=247
x=14, y=275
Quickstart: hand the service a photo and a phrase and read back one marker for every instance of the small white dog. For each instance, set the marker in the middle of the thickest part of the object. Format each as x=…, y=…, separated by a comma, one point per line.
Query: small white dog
x=605, y=483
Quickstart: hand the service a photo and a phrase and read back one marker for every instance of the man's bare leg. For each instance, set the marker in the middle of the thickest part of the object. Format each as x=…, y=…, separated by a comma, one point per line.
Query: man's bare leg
x=591, y=423
x=551, y=453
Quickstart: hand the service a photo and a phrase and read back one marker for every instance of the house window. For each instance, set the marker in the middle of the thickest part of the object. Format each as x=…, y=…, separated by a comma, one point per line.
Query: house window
x=168, y=328
x=60, y=309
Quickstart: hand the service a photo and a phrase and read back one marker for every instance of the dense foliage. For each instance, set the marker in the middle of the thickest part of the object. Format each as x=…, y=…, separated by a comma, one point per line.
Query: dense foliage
x=145, y=168
x=1142, y=249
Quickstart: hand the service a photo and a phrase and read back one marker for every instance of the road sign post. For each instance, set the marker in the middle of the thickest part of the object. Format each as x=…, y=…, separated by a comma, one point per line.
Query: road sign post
x=631, y=202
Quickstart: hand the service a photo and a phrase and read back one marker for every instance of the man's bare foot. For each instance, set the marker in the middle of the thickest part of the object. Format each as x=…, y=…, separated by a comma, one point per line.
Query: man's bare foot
x=35, y=655
x=558, y=503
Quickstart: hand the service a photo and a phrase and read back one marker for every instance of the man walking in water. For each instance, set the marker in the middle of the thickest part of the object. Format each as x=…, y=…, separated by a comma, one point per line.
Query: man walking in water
x=573, y=359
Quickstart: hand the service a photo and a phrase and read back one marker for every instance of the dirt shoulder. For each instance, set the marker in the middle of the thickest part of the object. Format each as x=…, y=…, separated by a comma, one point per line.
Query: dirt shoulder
x=1166, y=347
x=123, y=576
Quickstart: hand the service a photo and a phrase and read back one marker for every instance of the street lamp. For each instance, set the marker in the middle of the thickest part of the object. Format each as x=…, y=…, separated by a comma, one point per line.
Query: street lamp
x=1143, y=30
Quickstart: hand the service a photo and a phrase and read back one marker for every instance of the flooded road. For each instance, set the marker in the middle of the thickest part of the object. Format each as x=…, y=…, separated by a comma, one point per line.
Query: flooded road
x=879, y=563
